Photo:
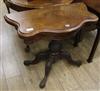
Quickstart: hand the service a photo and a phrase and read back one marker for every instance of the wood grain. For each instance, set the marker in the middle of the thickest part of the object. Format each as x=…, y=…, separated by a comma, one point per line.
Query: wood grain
x=46, y=20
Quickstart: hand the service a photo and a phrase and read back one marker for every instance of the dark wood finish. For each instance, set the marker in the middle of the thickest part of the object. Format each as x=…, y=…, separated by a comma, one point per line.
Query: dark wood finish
x=34, y=23
x=52, y=17
x=55, y=23
x=21, y=5
x=51, y=55
x=78, y=38
x=96, y=42
x=94, y=6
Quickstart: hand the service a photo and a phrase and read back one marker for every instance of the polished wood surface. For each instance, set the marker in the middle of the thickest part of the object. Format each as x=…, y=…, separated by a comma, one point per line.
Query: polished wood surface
x=38, y=3
x=57, y=19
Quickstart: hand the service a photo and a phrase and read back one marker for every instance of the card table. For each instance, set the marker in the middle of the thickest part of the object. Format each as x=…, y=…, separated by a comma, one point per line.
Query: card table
x=54, y=23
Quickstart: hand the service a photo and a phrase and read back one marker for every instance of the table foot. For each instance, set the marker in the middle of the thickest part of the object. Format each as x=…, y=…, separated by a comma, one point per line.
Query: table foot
x=67, y=56
x=89, y=60
x=40, y=56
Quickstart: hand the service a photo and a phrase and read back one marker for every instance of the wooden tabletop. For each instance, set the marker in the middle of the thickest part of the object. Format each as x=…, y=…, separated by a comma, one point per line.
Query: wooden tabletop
x=38, y=3
x=57, y=19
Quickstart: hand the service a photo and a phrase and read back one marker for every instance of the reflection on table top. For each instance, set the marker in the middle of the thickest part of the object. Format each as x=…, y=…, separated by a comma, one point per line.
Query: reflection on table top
x=56, y=19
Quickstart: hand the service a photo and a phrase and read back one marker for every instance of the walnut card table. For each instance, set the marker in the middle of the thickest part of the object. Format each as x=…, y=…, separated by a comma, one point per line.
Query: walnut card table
x=55, y=23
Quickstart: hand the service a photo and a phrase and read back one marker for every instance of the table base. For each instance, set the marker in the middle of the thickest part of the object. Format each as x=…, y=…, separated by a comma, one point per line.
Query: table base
x=53, y=53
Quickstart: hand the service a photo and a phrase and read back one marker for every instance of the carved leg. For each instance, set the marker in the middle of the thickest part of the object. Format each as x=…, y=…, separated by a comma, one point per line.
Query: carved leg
x=96, y=42
x=48, y=67
x=77, y=38
x=40, y=56
x=67, y=56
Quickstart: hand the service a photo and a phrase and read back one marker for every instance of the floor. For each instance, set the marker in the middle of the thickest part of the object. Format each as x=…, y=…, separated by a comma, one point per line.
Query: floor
x=14, y=76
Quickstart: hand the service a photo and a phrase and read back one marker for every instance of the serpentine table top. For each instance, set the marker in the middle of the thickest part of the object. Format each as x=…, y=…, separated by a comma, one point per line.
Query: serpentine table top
x=53, y=20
